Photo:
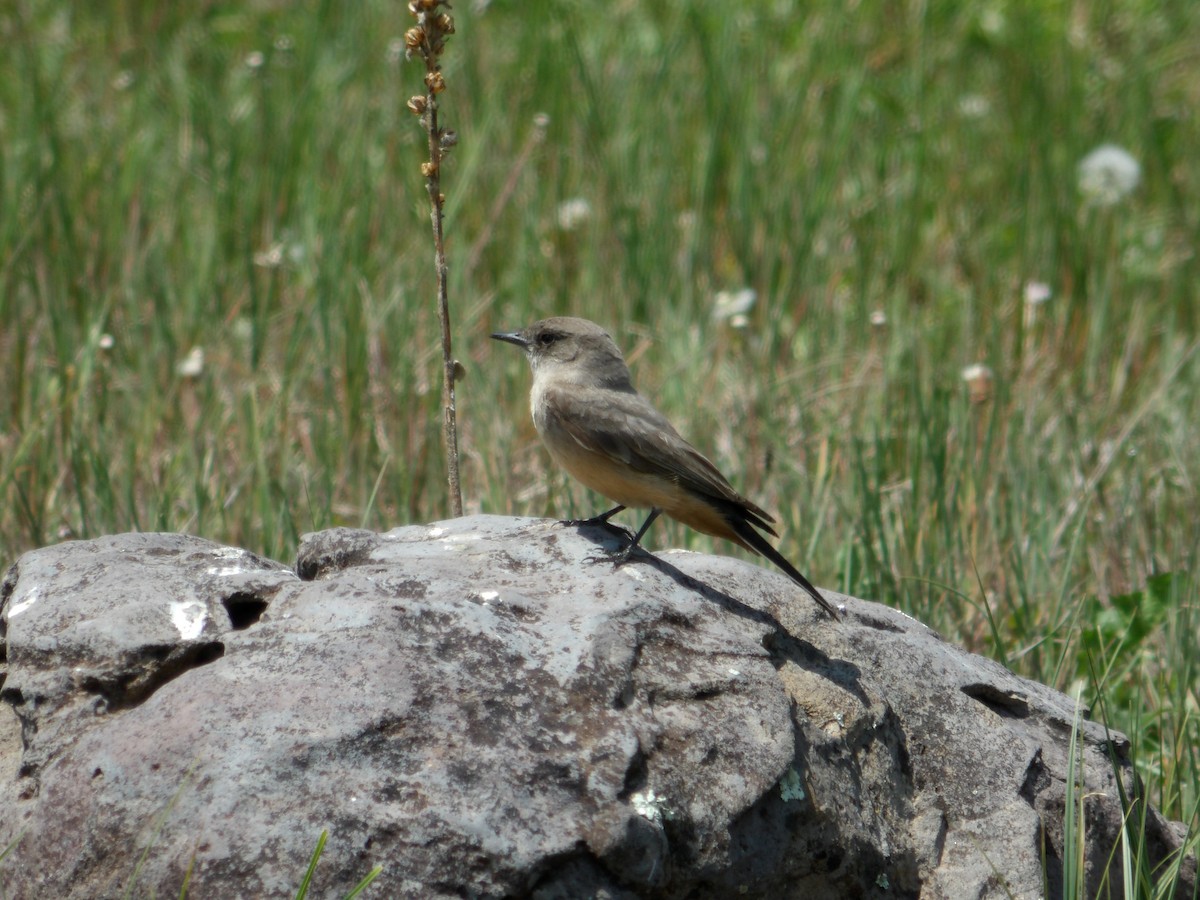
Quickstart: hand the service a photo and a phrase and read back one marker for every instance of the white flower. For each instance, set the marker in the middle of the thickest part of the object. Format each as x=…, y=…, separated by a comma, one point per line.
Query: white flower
x=192, y=364
x=974, y=106
x=732, y=306
x=979, y=382
x=878, y=318
x=1108, y=175
x=271, y=257
x=1037, y=292
x=992, y=22
x=573, y=213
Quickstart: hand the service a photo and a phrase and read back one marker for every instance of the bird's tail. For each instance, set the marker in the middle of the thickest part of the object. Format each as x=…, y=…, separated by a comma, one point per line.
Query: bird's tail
x=756, y=542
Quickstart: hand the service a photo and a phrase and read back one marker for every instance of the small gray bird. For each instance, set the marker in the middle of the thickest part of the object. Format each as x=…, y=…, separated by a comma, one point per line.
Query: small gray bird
x=608, y=436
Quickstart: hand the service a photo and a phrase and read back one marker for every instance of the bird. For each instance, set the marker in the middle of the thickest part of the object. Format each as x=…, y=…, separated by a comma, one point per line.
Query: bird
x=605, y=434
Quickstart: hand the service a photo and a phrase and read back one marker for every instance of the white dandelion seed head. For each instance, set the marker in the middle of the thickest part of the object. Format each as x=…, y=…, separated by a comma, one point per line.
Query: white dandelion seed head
x=573, y=213
x=1108, y=175
x=977, y=372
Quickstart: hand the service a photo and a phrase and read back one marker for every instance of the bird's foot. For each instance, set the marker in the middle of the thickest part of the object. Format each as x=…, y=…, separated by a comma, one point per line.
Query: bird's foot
x=618, y=558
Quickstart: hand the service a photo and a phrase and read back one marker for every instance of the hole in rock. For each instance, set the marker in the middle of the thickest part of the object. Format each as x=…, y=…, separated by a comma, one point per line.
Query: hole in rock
x=244, y=609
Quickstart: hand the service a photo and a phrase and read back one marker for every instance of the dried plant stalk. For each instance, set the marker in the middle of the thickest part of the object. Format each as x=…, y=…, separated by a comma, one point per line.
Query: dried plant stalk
x=427, y=40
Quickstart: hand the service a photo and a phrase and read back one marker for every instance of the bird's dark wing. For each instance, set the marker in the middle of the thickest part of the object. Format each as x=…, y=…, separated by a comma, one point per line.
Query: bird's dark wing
x=625, y=427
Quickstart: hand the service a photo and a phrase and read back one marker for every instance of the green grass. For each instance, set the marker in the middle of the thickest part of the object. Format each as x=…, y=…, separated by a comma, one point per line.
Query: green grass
x=244, y=178
x=306, y=883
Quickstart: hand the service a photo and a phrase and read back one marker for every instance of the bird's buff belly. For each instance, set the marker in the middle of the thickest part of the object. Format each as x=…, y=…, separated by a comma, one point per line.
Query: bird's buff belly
x=628, y=487
x=615, y=481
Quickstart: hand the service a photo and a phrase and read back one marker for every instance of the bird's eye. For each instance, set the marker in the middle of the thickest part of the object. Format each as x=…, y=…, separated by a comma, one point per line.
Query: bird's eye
x=546, y=338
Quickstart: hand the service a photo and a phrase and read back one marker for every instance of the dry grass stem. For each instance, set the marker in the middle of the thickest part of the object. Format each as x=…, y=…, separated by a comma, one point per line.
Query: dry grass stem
x=427, y=39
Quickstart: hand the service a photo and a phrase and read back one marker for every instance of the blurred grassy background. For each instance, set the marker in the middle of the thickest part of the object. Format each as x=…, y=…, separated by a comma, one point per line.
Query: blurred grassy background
x=216, y=290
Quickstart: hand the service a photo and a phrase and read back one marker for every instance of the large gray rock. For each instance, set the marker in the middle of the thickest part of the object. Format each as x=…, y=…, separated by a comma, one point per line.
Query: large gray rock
x=484, y=713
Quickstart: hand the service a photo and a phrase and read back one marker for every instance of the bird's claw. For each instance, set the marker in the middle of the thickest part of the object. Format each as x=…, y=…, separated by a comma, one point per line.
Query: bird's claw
x=618, y=558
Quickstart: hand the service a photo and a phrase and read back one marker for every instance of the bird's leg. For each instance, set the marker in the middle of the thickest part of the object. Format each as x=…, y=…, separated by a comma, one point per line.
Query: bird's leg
x=620, y=557
x=654, y=514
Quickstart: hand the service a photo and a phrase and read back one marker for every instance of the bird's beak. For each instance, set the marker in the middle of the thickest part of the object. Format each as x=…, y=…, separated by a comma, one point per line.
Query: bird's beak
x=512, y=337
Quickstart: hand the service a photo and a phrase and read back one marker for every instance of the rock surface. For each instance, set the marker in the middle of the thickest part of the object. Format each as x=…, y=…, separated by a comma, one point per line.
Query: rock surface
x=477, y=709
